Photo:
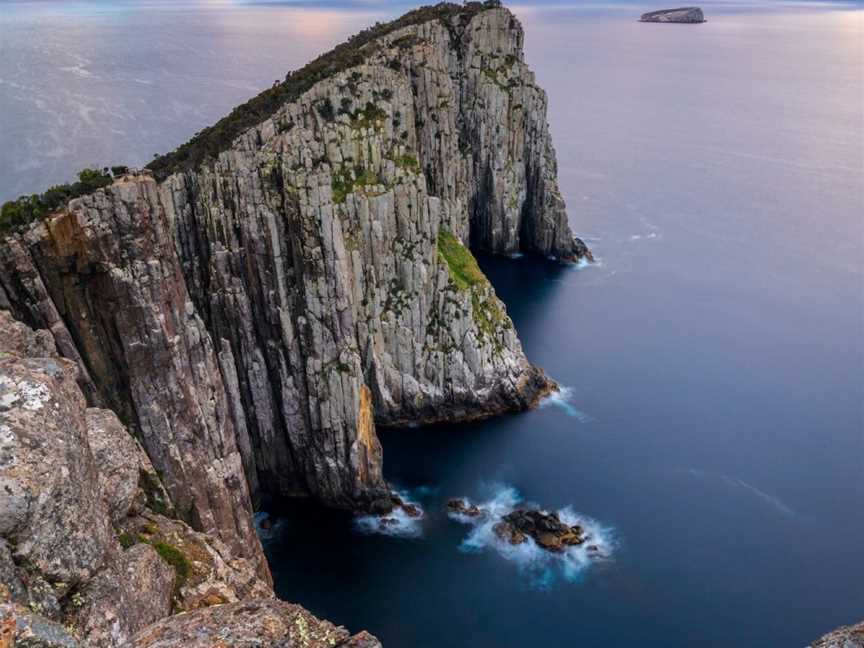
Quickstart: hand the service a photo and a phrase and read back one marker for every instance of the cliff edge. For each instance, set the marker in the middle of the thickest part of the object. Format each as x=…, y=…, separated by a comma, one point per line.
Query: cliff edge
x=91, y=552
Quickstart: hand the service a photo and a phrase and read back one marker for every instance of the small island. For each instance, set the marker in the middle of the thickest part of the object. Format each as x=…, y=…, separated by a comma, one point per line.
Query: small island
x=681, y=15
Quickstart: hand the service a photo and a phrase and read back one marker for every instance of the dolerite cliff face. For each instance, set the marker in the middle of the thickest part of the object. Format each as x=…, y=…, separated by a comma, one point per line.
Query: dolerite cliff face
x=252, y=317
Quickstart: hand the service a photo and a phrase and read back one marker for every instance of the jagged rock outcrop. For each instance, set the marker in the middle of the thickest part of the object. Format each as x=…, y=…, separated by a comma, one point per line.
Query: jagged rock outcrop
x=252, y=317
x=208, y=572
x=258, y=624
x=88, y=557
x=851, y=636
x=680, y=15
x=546, y=529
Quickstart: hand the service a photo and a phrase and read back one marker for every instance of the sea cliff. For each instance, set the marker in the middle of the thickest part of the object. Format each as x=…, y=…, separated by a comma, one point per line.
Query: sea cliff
x=257, y=302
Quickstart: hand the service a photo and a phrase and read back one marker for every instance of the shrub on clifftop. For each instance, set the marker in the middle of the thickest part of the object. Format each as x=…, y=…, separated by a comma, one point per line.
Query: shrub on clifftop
x=18, y=213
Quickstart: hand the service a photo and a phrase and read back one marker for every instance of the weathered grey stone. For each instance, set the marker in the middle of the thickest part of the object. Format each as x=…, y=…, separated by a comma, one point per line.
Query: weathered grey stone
x=30, y=630
x=124, y=598
x=12, y=588
x=252, y=624
x=122, y=465
x=19, y=339
x=851, y=636
x=51, y=513
x=208, y=573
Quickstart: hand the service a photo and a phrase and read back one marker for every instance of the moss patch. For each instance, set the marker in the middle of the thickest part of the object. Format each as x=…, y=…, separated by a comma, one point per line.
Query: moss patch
x=346, y=180
x=369, y=117
x=177, y=559
x=490, y=319
x=408, y=162
x=464, y=271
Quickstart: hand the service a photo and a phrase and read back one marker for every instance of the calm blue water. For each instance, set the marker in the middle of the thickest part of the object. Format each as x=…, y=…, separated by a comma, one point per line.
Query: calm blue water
x=712, y=425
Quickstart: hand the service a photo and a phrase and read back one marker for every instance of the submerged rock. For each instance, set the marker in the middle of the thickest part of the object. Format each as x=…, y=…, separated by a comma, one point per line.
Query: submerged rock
x=388, y=503
x=680, y=15
x=546, y=529
x=463, y=507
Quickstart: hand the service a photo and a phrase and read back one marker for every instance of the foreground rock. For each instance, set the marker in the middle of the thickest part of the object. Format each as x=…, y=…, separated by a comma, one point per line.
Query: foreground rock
x=88, y=553
x=253, y=624
x=19, y=626
x=851, y=636
x=255, y=315
x=546, y=529
x=681, y=15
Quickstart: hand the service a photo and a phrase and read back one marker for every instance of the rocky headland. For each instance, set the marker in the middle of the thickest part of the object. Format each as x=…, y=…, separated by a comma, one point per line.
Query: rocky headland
x=233, y=323
x=681, y=15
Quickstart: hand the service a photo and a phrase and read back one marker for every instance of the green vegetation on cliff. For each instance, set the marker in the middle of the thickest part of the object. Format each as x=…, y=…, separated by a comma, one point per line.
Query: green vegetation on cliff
x=177, y=559
x=466, y=274
x=464, y=271
x=18, y=213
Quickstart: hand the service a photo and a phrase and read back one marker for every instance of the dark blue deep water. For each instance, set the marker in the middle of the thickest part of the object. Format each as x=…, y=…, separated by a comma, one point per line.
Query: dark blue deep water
x=710, y=433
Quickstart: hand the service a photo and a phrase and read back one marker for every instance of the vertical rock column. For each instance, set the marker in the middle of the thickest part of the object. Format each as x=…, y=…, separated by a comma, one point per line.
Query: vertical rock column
x=109, y=267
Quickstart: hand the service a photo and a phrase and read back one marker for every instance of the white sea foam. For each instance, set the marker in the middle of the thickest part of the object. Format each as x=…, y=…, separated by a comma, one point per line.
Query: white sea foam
x=771, y=500
x=541, y=568
x=267, y=528
x=649, y=236
x=397, y=523
x=79, y=71
x=563, y=399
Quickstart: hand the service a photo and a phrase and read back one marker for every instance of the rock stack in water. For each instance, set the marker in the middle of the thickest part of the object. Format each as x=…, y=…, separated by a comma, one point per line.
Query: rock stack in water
x=680, y=15
x=546, y=529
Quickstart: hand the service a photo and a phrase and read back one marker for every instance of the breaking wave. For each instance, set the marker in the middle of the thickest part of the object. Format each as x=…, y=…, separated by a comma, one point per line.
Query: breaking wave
x=542, y=568
x=267, y=527
x=397, y=523
x=563, y=399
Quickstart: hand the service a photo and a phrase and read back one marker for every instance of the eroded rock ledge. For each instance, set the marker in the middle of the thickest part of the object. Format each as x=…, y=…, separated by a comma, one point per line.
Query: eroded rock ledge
x=253, y=317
